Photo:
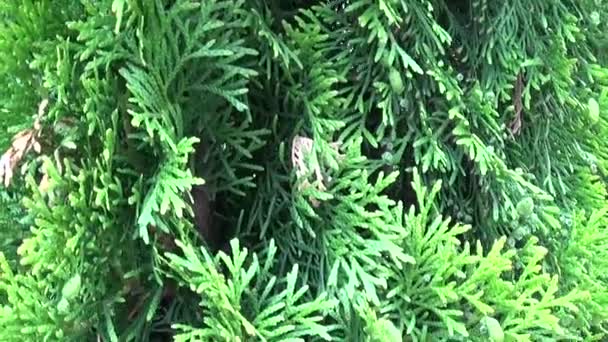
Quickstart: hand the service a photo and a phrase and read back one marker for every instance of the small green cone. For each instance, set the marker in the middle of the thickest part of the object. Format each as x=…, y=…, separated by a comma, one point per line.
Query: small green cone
x=385, y=331
x=71, y=287
x=63, y=306
x=593, y=108
x=525, y=207
x=495, y=331
x=396, y=81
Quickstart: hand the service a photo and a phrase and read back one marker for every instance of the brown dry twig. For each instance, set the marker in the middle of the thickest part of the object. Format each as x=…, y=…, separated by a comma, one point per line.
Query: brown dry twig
x=23, y=143
x=516, y=124
x=301, y=147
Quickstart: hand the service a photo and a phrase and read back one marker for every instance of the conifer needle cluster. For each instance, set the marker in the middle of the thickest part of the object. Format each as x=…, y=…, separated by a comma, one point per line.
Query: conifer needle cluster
x=346, y=170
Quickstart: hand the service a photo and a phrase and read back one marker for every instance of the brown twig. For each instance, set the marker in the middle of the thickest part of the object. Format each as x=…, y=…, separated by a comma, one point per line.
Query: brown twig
x=515, y=125
x=301, y=147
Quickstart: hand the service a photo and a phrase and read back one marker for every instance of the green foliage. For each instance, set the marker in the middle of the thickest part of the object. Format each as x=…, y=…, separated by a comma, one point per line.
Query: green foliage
x=582, y=266
x=249, y=302
x=456, y=290
x=376, y=170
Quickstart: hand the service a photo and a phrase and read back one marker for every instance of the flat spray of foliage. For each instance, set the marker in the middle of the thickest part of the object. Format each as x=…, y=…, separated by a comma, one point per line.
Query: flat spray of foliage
x=377, y=170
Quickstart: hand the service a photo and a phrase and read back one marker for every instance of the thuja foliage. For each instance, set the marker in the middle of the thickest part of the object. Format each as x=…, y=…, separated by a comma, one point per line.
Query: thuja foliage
x=351, y=170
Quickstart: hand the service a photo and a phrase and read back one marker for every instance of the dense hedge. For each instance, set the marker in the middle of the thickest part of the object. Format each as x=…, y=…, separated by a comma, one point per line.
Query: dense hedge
x=350, y=170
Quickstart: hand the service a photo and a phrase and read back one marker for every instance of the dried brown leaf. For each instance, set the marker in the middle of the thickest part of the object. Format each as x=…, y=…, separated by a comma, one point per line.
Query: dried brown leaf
x=302, y=146
x=6, y=169
x=22, y=143
x=42, y=107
